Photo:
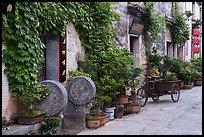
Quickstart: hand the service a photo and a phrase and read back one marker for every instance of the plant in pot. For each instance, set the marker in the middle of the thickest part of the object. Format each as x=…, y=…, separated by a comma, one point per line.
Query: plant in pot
x=188, y=75
x=197, y=64
x=30, y=113
x=94, y=118
x=198, y=79
x=178, y=66
x=97, y=109
x=133, y=82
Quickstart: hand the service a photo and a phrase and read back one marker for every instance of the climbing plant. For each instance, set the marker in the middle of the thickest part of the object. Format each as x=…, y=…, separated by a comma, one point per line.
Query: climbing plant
x=23, y=55
x=153, y=27
x=154, y=22
x=107, y=64
x=179, y=28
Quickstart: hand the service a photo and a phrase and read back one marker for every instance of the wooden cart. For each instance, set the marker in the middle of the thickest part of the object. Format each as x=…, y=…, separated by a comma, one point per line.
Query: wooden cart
x=157, y=88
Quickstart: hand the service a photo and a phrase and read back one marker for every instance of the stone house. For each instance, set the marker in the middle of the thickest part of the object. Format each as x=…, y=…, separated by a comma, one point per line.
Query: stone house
x=62, y=53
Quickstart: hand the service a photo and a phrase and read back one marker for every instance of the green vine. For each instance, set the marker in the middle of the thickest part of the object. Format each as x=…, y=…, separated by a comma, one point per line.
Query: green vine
x=107, y=64
x=179, y=29
x=154, y=23
x=153, y=26
x=23, y=56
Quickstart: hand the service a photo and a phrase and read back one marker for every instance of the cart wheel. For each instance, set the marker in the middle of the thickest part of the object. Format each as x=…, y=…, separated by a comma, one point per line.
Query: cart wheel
x=141, y=92
x=155, y=98
x=175, y=94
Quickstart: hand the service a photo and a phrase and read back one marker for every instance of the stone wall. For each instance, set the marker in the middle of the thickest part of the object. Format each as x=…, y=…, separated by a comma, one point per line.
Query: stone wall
x=164, y=8
x=74, y=48
x=121, y=27
x=9, y=103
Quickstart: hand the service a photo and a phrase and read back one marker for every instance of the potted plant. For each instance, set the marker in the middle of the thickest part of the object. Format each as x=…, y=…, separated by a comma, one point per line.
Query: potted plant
x=198, y=79
x=95, y=118
x=188, y=75
x=197, y=64
x=30, y=113
x=178, y=67
x=93, y=121
x=97, y=109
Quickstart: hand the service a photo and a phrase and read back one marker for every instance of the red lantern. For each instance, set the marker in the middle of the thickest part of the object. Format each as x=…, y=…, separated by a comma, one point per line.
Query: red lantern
x=196, y=41
x=196, y=32
x=196, y=49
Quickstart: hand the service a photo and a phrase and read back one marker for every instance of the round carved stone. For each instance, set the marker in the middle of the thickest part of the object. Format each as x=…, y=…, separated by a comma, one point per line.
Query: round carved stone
x=55, y=102
x=81, y=90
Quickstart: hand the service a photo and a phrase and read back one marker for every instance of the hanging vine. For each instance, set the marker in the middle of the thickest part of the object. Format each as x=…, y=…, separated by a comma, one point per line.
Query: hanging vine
x=153, y=27
x=23, y=56
x=179, y=29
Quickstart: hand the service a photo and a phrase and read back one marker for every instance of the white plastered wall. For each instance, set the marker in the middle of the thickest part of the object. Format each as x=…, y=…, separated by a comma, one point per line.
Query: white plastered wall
x=74, y=49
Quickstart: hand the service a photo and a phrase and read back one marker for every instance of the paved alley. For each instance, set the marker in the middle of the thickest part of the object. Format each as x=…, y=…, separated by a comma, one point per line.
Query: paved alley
x=163, y=117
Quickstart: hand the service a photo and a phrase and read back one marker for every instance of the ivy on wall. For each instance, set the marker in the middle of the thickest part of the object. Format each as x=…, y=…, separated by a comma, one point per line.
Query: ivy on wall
x=153, y=27
x=179, y=29
x=23, y=56
x=154, y=22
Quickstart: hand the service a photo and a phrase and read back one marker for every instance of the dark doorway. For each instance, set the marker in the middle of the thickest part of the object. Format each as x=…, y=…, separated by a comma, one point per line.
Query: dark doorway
x=134, y=49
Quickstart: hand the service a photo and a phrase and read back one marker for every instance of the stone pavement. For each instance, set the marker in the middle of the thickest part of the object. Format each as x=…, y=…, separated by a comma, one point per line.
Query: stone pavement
x=163, y=117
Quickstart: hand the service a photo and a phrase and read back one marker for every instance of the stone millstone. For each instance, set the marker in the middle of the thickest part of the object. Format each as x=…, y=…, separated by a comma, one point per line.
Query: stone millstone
x=55, y=102
x=81, y=90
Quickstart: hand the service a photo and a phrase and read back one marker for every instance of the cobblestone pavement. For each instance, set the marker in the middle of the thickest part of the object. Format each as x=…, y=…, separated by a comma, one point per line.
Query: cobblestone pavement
x=163, y=117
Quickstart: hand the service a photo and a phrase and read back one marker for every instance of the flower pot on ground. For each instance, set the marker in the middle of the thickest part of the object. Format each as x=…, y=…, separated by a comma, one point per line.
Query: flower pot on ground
x=198, y=82
x=103, y=118
x=93, y=122
x=197, y=65
x=122, y=98
x=30, y=113
x=135, y=108
x=110, y=111
x=29, y=117
x=188, y=86
x=198, y=79
x=136, y=100
x=107, y=118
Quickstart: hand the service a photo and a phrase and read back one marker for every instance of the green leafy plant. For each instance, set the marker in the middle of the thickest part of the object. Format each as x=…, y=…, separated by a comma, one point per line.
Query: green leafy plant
x=49, y=125
x=73, y=74
x=171, y=76
x=154, y=25
x=93, y=117
x=162, y=63
x=30, y=99
x=133, y=78
x=179, y=28
x=197, y=65
x=24, y=52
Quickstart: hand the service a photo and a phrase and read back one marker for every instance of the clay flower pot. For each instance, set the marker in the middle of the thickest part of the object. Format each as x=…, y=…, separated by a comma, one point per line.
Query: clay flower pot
x=30, y=120
x=135, y=108
x=93, y=122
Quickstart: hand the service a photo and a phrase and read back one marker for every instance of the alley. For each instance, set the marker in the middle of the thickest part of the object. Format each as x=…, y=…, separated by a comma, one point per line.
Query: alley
x=163, y=117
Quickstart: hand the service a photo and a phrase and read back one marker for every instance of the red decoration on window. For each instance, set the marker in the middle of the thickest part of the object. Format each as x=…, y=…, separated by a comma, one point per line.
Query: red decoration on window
x=196, y=32
x=196, y=49
x=196, y=41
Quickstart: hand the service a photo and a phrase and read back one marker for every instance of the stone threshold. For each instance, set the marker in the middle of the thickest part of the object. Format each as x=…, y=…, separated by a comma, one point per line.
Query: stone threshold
x=20, y=129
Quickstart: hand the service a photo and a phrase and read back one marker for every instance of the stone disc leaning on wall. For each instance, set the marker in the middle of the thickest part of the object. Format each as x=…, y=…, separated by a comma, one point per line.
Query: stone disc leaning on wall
x=55, y=102
x=81, y=90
